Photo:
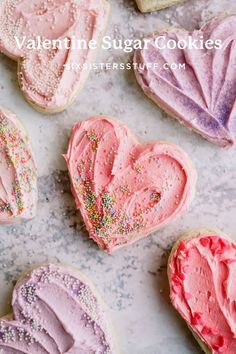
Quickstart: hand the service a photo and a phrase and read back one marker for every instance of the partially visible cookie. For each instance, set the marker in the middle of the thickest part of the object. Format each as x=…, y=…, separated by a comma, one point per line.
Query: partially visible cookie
x=202, y=270
x=196, y=84
x=154, y=5
x=56, y=311
x=52, y=74
x=18, y=182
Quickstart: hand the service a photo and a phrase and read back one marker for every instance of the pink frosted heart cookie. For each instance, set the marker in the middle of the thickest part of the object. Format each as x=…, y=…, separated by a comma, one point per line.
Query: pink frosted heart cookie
x=202, y=269
x=196, y=85
x=55, y=311
x=50, y=40
x=18, y=183
x=123, y=189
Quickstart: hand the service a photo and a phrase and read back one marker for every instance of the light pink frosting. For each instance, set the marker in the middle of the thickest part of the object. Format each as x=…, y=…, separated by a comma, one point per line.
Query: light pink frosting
x=125, y=190
x=202, y=273
x=44, y=78
x=203, y=94
x=18, y=184
x=55, y=312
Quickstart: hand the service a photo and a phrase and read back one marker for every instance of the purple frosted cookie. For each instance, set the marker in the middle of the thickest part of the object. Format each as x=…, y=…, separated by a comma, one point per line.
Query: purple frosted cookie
x=197, y=84
x=55, y=311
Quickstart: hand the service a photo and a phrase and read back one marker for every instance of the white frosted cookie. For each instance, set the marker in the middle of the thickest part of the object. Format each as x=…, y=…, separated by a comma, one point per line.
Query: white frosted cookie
x=154, y=5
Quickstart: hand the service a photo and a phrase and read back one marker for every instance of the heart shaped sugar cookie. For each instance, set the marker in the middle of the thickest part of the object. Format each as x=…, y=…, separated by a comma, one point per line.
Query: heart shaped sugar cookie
x=196, y=86
x=47, y=39
x=202, y=269
x=55, y=311
x=18, y=182
x=123, y=189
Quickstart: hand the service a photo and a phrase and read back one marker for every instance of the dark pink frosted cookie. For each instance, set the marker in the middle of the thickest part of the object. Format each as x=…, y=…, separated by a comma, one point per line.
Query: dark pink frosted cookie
x=202, y=270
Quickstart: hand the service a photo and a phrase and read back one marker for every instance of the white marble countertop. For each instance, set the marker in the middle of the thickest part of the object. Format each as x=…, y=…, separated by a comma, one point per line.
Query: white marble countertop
x=133, y=281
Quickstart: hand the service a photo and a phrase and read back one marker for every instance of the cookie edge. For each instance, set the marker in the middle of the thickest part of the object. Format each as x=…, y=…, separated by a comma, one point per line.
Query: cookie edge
x=155, y=5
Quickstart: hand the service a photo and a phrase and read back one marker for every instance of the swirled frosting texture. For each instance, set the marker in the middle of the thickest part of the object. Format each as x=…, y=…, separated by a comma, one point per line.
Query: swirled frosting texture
x=125, y=190
x=55, y=311
x=203, y=95
x=202, y=274
x=49, y=78
x=18, y=184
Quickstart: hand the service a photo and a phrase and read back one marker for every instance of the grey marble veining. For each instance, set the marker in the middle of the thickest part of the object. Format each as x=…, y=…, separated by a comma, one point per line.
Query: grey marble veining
x=132, y=281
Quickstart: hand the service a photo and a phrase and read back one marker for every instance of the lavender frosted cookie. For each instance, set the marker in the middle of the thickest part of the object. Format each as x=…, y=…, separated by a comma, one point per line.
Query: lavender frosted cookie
x=154, y=5
x=55, y=311
x=197, y=86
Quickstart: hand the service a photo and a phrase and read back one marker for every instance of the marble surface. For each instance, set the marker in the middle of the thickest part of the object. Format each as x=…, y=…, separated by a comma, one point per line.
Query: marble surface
x=133, y=281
